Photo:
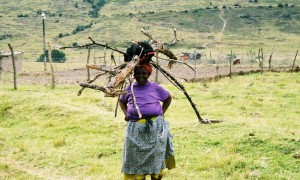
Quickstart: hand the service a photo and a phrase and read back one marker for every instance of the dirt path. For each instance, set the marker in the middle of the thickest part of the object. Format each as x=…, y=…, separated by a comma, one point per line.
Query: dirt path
x=72, y=76
x=32, y=171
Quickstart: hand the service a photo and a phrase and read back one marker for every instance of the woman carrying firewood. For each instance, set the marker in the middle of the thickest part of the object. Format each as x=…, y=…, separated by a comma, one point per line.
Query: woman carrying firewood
x=148, y=147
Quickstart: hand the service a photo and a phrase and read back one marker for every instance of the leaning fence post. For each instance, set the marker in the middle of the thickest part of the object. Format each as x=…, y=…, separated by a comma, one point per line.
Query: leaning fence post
x=294, y=60
x=51, y=65
x=14, y=66
x=88, y=61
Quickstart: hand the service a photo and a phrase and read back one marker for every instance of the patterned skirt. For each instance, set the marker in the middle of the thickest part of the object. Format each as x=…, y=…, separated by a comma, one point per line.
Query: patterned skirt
x=147, y=146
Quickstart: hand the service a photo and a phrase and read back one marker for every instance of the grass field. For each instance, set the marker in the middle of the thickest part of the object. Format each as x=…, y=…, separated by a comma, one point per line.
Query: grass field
x=54, y=134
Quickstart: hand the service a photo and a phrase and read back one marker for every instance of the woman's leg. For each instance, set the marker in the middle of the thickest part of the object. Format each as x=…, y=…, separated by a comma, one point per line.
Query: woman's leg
x=159, y=177
x=134, y=177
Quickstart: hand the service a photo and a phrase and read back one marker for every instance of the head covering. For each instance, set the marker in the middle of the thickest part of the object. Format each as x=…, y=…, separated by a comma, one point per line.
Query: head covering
x=148, y=67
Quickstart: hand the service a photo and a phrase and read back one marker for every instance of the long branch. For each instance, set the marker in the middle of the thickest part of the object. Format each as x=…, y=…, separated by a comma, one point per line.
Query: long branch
x=186, y=94
x=93, y=44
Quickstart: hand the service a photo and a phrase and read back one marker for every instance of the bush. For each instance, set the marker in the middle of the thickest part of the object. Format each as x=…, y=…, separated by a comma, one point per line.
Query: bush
x=82, y=28
x=22, y=15
x=244, y=16
x=280, y=5
x=57, y=57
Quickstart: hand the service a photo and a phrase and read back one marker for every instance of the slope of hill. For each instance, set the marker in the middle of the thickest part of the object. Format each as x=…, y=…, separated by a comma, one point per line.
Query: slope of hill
x=201, y=25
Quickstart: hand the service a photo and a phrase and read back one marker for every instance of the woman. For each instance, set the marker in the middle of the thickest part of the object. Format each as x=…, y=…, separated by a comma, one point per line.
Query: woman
x=148, y=148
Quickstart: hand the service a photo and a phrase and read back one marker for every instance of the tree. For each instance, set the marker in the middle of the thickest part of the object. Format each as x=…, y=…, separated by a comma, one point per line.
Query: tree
x=57, y=56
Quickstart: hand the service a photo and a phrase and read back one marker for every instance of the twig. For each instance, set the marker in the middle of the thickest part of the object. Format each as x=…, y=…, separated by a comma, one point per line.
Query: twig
x=109, y=92
x=174, y=60
x=93, y=44
x=89, y=82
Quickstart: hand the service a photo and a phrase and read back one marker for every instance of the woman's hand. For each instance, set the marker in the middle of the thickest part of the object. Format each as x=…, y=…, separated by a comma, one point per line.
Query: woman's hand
x=166, y=104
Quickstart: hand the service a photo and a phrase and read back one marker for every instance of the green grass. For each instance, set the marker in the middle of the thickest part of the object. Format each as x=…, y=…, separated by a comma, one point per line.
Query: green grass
x=53, y=133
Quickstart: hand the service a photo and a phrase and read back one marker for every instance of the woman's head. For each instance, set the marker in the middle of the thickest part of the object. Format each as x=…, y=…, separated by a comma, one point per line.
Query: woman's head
x=142, y=72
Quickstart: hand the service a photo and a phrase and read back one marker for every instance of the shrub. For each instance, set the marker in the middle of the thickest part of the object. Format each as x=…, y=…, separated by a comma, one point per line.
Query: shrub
x=6, y=36
x=61, y=35
x=57, y=56
x=286, y=16
x=280, y=5
x=82, y=28
x=22, y=15
x=244, y=16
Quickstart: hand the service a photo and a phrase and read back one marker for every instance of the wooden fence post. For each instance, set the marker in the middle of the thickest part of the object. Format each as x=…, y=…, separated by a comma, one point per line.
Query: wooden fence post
x=51, y=65
x=262, y=61
x=270, y=58
x=88, y=61
x=294, y=60
x=0, y=66
x=95, y=58
x=156, y=71
x=14, y=66
x=195, y=66
x=230, y=64
x=259, y=58
x=104, y=59
x=112, y=59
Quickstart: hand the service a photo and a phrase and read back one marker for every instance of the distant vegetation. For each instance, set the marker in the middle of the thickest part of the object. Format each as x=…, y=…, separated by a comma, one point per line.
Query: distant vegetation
x=81, y=28
x=96, y=5
x=57, y=56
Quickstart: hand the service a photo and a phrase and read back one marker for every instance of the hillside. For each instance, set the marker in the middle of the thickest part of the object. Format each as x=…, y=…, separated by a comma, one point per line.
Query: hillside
x=204, y=26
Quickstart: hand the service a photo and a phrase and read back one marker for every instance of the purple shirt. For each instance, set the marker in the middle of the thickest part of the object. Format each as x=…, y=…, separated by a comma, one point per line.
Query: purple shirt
x=148, y=99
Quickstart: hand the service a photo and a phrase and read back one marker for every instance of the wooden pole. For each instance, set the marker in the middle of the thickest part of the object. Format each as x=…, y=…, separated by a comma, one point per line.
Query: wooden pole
x=14, y=66
x=294, y=60
x=270, y=58
x=88, y=61
x=230, y=64
x=156, y=71
x=95, y=57
x=258, y=56
x=104, y=59
x=0, y=66
x=51, y=65
x=44, y=44
x=112, y=58
x=195, y=66
x=262, y=61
